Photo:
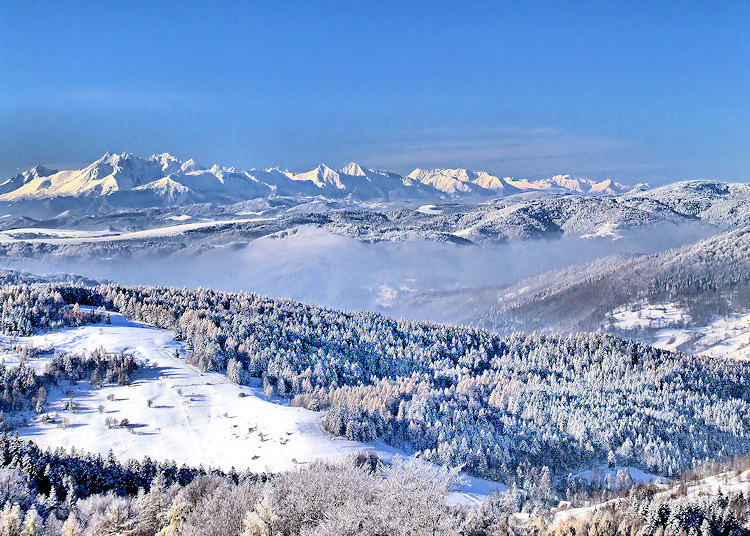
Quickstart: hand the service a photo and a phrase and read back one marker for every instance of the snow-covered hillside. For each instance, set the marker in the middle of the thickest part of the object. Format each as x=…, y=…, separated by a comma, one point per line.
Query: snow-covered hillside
x=176, y=412
x=724, y=336
x=711, y=486
x=706, y=280
x=724, y=203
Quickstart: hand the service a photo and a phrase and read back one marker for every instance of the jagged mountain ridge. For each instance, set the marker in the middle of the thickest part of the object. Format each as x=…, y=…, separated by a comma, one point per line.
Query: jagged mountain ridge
x=23, y=178
x=164, y=179
x=463, y=181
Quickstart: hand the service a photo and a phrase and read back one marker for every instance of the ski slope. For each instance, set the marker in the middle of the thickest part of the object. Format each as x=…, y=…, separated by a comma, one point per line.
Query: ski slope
x=195, y=417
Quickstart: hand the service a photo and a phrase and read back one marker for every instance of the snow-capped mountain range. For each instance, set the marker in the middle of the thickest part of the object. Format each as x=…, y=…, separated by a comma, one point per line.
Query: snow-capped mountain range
x=164, y=179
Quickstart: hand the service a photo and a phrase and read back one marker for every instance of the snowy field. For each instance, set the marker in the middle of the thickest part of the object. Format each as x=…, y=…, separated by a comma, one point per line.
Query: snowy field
x=600, y=474
x=429, y=209
x=649, y=316
x=605, y=230
x=194, y=417
x=713, y=485
x=727, y=337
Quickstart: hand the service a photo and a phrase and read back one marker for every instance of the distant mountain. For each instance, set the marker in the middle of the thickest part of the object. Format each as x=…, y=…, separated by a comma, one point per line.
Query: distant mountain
x=17, y=182
x=159, y=178
x=125, y=180
x=463, y=181
x=458, y=181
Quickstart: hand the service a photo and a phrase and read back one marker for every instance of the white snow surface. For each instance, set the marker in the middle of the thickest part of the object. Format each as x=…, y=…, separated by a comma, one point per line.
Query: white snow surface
x=712, y=485
x=601, y=472
x=648, y=316
x=606, y=230
x=429, y=209
x=196, y=417
x=726, y=337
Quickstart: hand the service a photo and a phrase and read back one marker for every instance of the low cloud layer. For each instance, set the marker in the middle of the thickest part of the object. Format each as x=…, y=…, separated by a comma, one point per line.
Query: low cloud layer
x=412, y=279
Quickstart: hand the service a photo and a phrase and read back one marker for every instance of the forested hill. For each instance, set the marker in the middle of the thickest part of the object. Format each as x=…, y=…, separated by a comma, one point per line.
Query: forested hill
x=708, y=278
x=501, y=407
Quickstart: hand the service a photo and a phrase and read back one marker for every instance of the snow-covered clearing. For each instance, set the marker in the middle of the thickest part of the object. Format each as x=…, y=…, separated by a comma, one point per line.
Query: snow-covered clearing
x=195, y=417
x=649, y=316
x=606, y=230
x=727, y=337
x=712, y=485
x=600, y=474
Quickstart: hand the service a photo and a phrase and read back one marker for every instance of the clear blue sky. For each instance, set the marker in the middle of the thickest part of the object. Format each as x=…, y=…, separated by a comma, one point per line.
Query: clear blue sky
x=636, y=90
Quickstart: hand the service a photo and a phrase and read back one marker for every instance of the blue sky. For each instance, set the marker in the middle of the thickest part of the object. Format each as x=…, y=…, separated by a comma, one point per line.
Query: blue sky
x=654, y=91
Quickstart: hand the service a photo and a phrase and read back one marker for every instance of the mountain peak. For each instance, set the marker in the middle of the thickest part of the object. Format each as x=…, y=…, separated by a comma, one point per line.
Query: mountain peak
x=190, y=165
x=353, y=169
x=41, y=171
x=448, y=180
x=163, y=156
x=167, y=162
x=322, y=176
x=114, y=159
x=113, y=173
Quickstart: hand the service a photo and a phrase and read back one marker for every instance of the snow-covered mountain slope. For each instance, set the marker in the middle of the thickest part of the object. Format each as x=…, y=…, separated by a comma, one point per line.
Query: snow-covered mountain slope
x=354, y=181
x=706, y=282
x=458, y=181
x=20, y=180
x=125, y=180
x=464, y=181
x=724, y=203
x=109, y=174
x=194, y=417
x=161, y=177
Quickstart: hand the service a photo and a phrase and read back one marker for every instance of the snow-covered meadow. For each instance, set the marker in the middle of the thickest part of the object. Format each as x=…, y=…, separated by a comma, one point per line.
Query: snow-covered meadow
x=177, y=412
x=648, y=316
x=725, y=337
x=724, y=483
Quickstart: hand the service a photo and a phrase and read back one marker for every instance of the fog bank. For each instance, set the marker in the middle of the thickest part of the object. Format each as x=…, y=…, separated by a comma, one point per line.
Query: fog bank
x=410, y=279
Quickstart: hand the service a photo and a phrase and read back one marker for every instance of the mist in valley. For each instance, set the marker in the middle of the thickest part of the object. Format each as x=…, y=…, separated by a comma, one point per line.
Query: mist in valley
x=417, y=279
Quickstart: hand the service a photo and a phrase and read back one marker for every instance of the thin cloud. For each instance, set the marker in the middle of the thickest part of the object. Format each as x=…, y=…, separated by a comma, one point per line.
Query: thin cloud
x=532, y=151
